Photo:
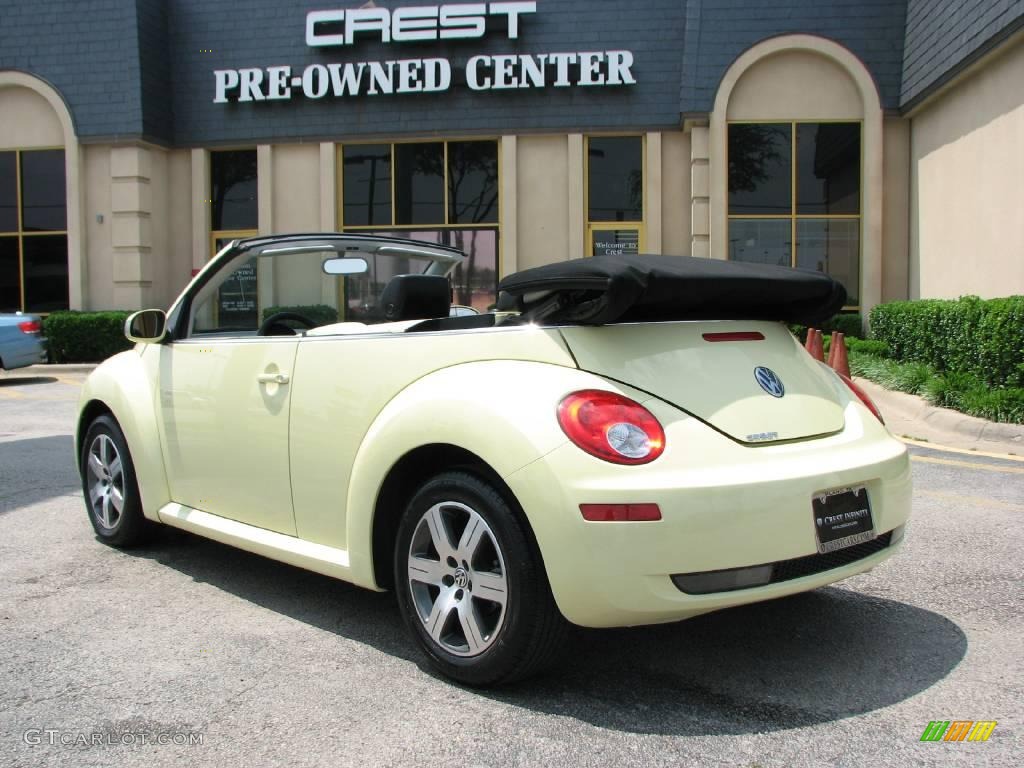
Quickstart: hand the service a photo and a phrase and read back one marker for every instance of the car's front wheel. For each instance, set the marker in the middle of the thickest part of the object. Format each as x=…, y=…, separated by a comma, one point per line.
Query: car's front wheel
x=108, y=482
x=471, y=585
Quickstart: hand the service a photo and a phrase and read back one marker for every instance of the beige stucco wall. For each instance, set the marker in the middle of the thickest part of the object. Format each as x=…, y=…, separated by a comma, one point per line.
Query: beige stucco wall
x=171, y=253
x=99, y=251
x=295, y=191
x=174, y=197
x=795, y=85
x=27, y=120
x=542, y=233
x=967, y=185
x=896, y=213
x=675, y=193
x=296, y=187
x=164, y=258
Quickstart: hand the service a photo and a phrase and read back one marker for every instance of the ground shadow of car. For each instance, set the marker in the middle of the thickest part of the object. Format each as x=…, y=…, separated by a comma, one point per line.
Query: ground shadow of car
x=14, y=380
x=809, y=659
x=28, y=473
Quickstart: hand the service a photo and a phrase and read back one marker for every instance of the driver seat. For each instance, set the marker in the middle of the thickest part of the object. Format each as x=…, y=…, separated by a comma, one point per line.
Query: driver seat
x=416, y=297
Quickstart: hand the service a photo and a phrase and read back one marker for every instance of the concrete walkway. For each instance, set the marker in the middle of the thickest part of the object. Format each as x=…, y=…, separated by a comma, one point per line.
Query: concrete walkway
x=912, y=417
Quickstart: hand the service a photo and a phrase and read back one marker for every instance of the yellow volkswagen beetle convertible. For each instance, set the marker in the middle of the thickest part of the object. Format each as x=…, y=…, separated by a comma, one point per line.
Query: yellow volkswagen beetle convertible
x=624, y=440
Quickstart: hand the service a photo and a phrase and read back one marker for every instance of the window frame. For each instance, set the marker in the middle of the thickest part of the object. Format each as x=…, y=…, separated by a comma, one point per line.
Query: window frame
x=20, y=233
x=793, y=216
x=229, y=234
x=611, y=226
x=496, y=226
x=339, y=159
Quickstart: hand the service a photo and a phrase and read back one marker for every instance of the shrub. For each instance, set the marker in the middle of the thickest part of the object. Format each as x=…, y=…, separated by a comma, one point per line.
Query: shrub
x=996, y=404
x=903, y=377
x=867, y=347
x=964, y=392
x=321, y=314
x=969, y=335
x=848, y=323
x=85, y=337
x=947, y=390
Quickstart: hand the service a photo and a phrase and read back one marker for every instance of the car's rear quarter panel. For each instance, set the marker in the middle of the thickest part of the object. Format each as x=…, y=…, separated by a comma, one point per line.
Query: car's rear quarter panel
x=360, y=403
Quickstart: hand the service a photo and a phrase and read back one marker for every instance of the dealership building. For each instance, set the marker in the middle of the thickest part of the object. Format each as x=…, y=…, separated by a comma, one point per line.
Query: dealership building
x=881, y=141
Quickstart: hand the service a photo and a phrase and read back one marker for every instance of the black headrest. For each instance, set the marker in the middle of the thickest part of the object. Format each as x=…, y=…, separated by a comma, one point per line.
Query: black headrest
x=416, y=297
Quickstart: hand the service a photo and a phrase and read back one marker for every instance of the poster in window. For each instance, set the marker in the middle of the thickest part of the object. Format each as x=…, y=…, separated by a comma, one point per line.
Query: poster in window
x=616, y=242
x=237, y=299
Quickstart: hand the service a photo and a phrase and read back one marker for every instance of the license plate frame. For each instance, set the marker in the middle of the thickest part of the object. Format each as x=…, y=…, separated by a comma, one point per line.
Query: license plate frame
x=842, y=517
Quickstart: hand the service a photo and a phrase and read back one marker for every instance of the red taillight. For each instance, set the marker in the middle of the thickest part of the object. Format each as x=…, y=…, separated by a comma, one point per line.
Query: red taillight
x=863, y=397
x=30, y=326
x=611, y=427
x=620, y=513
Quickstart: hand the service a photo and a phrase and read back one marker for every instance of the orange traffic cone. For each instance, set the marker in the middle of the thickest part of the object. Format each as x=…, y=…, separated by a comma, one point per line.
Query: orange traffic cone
x=842, y=363
x=818, y=348
x=809, y=341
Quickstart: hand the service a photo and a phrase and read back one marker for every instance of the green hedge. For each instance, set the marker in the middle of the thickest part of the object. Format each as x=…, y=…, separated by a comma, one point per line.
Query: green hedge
x=982, y=337
x=85, y=337
x=321, y=314
x=849, y=323
x=868, y=347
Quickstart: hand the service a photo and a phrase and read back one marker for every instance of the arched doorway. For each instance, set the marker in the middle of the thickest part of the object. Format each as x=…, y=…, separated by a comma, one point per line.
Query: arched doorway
x=796, y=136
x=41, y=266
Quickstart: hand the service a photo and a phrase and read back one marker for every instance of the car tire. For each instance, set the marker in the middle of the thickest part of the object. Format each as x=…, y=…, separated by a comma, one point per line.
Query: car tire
x=108, y=483
x=471, y=585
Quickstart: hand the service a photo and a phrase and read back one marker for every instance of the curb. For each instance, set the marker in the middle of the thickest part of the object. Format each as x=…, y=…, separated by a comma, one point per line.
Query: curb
x=971, y=428
x=44, y=368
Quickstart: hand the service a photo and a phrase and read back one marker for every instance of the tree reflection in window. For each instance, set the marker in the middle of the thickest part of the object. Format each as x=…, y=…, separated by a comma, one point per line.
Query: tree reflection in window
x=233, y=190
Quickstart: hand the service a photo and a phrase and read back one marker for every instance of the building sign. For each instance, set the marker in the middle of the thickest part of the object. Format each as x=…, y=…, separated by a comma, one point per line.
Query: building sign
x=461, y=21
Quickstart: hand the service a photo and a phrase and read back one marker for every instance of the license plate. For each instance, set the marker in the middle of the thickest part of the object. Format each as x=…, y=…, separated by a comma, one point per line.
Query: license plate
x=842, y=518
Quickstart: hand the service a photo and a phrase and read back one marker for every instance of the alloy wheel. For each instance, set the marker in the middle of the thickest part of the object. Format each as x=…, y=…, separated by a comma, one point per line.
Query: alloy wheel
x=457, y=578
x=105, y=481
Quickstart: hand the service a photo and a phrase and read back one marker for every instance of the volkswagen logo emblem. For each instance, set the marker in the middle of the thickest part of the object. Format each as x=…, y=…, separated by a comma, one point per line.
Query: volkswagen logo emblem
x=769, y=381
x=461, y=578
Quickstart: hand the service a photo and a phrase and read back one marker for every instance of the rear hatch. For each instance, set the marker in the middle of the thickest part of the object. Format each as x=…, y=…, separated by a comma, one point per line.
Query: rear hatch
x=706, y=369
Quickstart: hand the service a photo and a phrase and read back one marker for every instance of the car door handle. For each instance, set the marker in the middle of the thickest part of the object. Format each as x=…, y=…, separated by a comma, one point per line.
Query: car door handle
x=272, y=378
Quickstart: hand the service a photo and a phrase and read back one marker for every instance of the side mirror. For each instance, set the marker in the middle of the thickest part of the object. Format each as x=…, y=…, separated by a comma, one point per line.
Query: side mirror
x=146, y=327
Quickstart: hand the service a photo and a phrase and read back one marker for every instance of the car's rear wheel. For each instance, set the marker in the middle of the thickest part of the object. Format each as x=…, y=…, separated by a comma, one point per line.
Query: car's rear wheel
x=108, y=482
x=471, y=585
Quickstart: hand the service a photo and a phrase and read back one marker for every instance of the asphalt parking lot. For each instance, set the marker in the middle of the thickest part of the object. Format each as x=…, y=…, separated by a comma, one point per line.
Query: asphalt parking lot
x=258, y=663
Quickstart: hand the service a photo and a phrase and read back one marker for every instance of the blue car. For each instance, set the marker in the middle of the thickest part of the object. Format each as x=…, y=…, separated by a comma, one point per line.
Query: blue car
x=21, y=341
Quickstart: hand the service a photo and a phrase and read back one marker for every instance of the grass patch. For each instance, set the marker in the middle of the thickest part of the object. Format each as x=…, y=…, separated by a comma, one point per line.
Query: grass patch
x=903, y=377
x=962, y=392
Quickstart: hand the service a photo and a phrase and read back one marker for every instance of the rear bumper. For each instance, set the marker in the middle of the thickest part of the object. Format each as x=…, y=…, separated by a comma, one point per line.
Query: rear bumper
x=23, y=352
x=724, y=505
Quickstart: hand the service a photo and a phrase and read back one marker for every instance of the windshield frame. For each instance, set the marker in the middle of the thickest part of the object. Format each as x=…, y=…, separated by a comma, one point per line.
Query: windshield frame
x=443, y=261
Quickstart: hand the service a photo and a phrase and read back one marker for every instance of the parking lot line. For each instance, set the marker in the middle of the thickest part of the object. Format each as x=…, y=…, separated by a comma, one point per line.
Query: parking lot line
x=979, y=501
x=970, y=465
x=965, y=452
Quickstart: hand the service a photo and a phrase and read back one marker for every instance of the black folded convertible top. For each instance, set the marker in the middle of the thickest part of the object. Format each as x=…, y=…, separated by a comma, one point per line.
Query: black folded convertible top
x=633, y=288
